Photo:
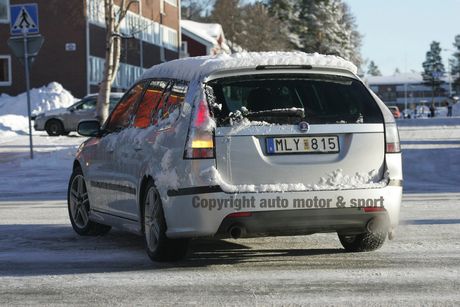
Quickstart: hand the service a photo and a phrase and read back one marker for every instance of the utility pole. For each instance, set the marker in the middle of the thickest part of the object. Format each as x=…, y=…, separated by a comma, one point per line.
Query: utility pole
x=26, y=69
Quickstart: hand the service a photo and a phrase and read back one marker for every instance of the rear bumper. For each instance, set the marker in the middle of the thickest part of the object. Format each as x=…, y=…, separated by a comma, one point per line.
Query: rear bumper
x=203, y=211
x=300, y=222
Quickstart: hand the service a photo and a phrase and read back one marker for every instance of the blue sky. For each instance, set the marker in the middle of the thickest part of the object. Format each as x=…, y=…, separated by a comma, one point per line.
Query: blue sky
x=398, y=33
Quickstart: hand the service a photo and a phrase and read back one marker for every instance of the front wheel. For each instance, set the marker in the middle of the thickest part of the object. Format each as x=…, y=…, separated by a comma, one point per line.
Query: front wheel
x=364, y=242
x=158, y=246
x=79, y=207
x=54, y=127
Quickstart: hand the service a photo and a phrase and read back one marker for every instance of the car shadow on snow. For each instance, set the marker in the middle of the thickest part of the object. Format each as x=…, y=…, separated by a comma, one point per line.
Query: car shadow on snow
x=34, y=250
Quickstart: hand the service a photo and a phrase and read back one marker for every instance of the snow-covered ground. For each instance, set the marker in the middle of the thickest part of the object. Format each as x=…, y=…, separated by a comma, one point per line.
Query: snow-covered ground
x=42, y=261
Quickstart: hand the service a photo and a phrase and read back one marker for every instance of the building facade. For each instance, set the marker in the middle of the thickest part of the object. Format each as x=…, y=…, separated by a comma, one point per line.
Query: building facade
x=408, y=89
x=74, y=49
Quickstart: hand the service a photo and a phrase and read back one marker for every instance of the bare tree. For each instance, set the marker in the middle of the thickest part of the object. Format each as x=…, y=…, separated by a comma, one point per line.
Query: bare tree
x=228, y=14
x=196, y=10
x=113, y=19
x=262, y=32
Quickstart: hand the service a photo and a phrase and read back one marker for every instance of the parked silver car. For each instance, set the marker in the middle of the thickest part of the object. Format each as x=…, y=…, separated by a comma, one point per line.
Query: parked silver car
x=259, y=144
x=63, y=121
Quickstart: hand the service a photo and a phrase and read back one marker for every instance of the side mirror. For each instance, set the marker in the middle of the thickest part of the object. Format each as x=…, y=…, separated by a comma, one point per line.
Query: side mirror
x=89, y=128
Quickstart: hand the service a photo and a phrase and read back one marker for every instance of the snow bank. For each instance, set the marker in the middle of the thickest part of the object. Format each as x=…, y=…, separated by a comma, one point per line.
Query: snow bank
x=200, y=67
x=45, y=98
x=13, y=109
x=46, y=175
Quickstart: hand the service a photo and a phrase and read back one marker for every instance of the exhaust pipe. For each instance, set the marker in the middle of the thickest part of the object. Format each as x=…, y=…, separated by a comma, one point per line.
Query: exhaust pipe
x=236, y=231
x=377, y=225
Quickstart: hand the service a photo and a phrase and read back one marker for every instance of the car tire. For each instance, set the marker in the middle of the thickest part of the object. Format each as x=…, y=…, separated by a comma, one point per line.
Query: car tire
x=79, y=207
x=364, y=242
x=54, y=127
x=158, y=246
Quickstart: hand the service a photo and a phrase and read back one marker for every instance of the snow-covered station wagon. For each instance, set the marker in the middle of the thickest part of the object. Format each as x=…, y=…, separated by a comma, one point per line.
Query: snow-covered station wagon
x=243, y=145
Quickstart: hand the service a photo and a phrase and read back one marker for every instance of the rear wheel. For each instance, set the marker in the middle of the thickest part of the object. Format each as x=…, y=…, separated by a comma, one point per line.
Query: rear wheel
x=158, y=246
x=54, y=127
x=364, y=242
x=78, y=206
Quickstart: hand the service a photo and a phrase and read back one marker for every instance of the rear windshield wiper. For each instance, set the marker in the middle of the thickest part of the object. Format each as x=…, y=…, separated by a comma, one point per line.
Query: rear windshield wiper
x=294, y=112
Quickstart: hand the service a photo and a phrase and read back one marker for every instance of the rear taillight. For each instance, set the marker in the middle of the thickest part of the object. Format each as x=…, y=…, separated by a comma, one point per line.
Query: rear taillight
x=200, y=143
x=392, y=144
x=373, y=209
x=239, y=214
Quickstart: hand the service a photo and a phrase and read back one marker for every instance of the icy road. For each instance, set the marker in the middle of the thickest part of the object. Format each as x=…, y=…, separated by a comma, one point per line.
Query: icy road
x=42, y=261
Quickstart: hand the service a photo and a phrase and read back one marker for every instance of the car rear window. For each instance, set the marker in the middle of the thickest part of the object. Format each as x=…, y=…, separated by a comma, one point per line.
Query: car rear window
x=288, y=99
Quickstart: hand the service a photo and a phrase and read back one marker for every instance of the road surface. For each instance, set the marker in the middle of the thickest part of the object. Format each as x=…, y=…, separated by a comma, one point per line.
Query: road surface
x=42, y=261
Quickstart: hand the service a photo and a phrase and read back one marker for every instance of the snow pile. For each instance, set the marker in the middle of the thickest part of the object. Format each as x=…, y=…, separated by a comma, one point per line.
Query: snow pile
x=47, y=174
x=200, y=67
x=12, y=125
x=333, y=181
x=13, y=110
x=45, y=98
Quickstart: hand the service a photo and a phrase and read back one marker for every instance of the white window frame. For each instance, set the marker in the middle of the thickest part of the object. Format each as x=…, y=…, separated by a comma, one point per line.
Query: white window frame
x=7, y=20
x=10, y=73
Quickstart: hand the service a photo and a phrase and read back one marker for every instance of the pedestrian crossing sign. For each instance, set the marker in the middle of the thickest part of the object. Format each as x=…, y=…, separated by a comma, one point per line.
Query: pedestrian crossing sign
x=24, y=19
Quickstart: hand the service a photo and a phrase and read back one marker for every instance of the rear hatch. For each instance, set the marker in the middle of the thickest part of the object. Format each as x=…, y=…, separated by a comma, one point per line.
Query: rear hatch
x=305, y=129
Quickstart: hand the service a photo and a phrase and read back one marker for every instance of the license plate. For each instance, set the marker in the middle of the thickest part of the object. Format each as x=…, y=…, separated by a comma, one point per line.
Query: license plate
x=308, y=144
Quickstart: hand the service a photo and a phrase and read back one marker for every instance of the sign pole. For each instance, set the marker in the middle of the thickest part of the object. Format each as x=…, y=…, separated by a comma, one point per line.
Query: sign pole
x=26, y=65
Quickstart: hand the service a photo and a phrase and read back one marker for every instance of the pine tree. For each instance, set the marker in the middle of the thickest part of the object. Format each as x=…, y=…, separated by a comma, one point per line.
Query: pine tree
x=324, y=26
x=397, y=71
x=354, y=42
x=286, y=11
x=433, y=68
x=455, y=62
x=373, y=69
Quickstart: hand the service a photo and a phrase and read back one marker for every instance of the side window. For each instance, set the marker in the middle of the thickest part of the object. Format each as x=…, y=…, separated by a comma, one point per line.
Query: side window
x=88, y=105
x=171, y=101
x=4, y=11
x=5, y=70
x=113, y=102
x=149, y=103
x=124, y=111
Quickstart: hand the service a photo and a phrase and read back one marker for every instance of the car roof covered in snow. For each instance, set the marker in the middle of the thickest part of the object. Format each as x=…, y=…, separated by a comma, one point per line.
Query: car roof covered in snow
x=200, y=67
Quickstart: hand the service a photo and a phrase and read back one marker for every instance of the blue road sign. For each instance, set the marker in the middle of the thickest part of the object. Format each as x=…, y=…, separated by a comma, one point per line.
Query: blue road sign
x=24, y=19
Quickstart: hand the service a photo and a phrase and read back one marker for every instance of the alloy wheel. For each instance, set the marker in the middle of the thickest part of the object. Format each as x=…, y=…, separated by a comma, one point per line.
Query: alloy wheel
x=152, y=218
x=79, y=203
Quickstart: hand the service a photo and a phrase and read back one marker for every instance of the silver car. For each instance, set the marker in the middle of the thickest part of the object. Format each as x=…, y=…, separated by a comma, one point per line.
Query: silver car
x=63, y=121
x=257, y=144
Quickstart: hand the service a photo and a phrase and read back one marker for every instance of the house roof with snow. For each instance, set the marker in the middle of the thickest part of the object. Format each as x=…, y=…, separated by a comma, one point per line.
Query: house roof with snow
x=209, y=34
x=200, y=67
